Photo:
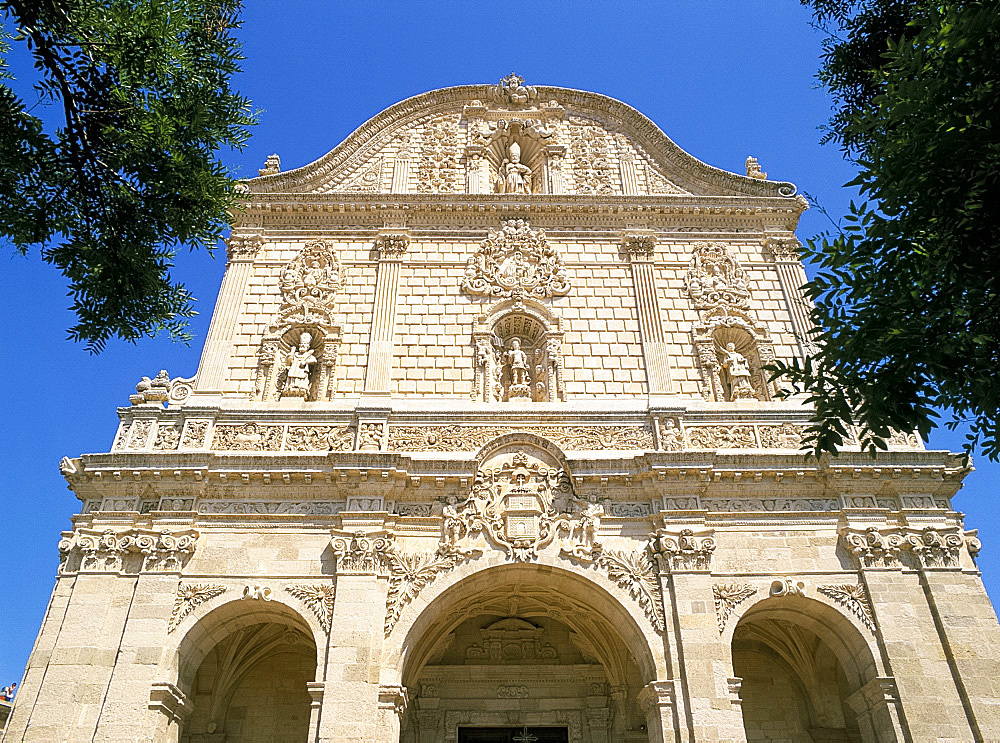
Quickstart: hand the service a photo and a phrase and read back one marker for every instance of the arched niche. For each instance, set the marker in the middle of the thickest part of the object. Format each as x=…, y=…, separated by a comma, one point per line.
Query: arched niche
x=244, y=669
x=297, y=362
x=559, y=647
x=732, y=353
x=518, y=354
x=806, y=673
x=510, y=156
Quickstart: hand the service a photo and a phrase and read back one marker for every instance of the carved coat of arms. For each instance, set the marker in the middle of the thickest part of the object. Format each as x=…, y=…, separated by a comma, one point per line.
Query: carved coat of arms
x=516, y=261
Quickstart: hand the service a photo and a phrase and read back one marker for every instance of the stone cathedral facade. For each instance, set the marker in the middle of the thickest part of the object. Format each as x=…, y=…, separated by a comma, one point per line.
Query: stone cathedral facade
x=481, y=449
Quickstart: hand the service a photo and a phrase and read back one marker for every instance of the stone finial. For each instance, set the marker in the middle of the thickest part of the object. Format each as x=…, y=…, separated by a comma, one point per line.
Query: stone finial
x=272, y=165
x=753, y=169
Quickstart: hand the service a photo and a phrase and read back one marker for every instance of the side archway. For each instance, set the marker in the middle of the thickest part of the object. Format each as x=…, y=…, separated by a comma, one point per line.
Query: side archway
x=807, y=673
x=245, y=669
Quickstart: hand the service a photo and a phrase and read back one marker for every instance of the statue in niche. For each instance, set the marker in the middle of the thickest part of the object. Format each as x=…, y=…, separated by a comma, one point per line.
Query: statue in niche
x=517, y=364
x=738, y=369
x=515, y=176
x=299, y=362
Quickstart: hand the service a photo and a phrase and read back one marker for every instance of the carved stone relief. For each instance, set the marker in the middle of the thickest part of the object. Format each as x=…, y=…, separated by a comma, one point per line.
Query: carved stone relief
x=930, y=547
x=247, y=437
x=456, y=438
x=593, y=157
x=319, y=438
x=721, y=437
x=519, y=503
x=516, y=261
x=411, y=573
x=437, y=168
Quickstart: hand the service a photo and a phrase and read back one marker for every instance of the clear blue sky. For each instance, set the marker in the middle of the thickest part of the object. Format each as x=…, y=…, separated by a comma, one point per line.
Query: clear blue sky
x=722, y=79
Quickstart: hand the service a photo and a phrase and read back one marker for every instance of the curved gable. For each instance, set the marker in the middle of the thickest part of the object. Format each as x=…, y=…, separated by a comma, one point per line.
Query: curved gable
x=491, y=140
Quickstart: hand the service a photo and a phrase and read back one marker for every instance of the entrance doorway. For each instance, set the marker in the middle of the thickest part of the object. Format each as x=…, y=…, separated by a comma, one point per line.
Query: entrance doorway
x=513, y=735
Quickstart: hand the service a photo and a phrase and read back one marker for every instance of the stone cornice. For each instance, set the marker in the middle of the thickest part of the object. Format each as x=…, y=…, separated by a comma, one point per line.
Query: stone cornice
x=687, y=171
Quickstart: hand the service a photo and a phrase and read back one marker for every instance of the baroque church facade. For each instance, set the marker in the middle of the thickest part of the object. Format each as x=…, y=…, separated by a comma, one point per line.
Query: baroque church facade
x=481, y=448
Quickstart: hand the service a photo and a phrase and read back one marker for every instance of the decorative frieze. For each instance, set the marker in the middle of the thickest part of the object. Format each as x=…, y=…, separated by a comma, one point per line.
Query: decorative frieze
x=456, y=438
x=195, y=432
x=319, y=438
x=727, y=597
x=188, y=598
x=851, y=596
x=721, y=437
x=247, y=437
x=319, y=599
x=271, y=507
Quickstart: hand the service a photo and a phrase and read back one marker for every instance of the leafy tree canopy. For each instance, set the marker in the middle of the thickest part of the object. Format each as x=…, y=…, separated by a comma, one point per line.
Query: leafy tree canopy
x=907, y=301
x=130, y=174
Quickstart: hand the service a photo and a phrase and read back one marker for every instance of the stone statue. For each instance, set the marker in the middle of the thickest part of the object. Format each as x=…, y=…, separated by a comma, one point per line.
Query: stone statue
x=515, y=177
x=517, y=361
x=300, y=362
x=738, y=368
x=591, y=512
x=454, y=525
x=671, y=437
x=753, y=169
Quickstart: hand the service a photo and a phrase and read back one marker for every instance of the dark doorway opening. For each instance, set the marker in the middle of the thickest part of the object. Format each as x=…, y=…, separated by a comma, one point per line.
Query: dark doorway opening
x=514, y=735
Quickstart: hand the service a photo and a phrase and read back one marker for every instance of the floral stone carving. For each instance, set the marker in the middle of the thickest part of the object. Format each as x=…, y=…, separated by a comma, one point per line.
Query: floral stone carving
x=131, y=550
x=727, y=597
x=852, y=596
x=189, y=597
x=410, y=574
x=319, y=598
x=516, y=261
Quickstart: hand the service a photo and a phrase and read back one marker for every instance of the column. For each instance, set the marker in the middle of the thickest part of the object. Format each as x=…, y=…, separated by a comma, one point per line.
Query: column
x=315, y=689
x=656, y=700
x=639, y=246
x=241, y=249
x=351, y=710
x=391, y=708
x=391, y=248
x=711, y=710
x=791, y=277
x=930, y=705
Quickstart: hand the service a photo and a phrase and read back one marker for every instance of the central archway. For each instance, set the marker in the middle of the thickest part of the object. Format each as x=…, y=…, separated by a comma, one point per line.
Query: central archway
x=526, y=645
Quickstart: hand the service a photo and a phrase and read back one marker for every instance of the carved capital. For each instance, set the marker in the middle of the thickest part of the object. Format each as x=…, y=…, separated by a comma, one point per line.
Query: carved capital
x=392, y=245
x=655, y=696
x=394, y=697
x=874, y=548
x=244, y=246
x=784, y=249
x=890, y=547
x=360, y=553
x=684, y=550
x=639, y=244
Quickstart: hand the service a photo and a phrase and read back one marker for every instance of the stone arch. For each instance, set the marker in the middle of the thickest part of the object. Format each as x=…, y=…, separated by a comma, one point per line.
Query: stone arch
x=229, y=654
x=538, y=334
x=621, y=652
x=819, y=664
